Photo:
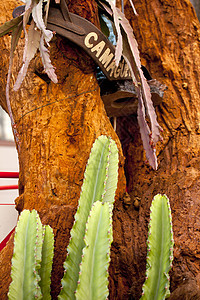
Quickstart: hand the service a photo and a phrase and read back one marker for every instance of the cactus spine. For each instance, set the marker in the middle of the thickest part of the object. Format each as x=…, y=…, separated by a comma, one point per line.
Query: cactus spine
x=100, y=183
x=27, y=256
x=160, y=250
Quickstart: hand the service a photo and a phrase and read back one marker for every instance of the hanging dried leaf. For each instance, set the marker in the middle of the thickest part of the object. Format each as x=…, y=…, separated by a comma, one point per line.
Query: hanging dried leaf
x=10, y=25
x=48, y=68
x=46, y=12
x=133, y=7
x=132, y=57
x=146, y=136
x=15, y=37
x=105, y=7
x=136, y=66
x=38, y=18
x=118, y=51
x=33, y=40
x=26, y=17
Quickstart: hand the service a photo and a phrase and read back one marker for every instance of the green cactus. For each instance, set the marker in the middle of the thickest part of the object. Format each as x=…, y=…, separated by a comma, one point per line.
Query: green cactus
x=86, y=265
x=28, y=252
x=46, y=262
x=160, y=250
x=33, y=244
x=93, y=278
x=100, y=183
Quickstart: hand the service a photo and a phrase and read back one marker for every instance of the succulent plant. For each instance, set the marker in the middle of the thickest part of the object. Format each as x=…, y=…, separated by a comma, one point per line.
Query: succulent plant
x=88, y=253
x=86, y=266
x=100, y=183
x=32, y=257
x=159, y=250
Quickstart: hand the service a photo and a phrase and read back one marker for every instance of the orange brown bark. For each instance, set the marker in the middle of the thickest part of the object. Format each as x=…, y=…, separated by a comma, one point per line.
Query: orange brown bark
x=58, y=124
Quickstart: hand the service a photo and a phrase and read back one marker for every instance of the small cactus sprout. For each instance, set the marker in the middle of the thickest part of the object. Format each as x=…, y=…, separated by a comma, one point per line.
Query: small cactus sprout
x=159, y=258
x=100, y=183
x=30, y=257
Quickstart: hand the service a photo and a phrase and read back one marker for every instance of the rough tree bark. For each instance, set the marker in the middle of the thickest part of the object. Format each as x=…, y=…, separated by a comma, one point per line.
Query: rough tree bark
x=168, y=34
x=58, y=123
x=196, y=5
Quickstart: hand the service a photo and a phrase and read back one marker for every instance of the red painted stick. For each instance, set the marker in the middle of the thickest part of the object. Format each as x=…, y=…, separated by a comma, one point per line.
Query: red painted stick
x=9, y=174
x=8, y=187
x=4, y=242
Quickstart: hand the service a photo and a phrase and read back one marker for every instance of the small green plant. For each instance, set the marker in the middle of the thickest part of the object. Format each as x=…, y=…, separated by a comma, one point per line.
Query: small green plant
x=88, y=253
x=159, y=250
x=32, y=258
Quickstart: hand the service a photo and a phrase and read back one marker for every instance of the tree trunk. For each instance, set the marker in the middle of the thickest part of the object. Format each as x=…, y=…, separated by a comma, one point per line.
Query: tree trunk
x=58, y=124
x=168, y=34
x=196, y=5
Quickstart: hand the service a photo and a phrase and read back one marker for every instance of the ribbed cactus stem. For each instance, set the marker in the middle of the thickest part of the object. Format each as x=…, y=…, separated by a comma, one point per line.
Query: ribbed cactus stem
x=46, y=263
x=160, y=250
x=32, y=259
x=100, y=182
x=26, y=259
x=93, y=278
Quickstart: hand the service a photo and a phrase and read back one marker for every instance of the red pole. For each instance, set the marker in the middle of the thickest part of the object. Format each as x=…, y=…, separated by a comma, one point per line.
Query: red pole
x=8, y=187
x=9, y=174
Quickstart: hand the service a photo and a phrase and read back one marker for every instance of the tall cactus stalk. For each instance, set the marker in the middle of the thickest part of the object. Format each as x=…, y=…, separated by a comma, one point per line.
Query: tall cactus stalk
x=29, y=250
x=100, y=183
x=160, y=250
x=46, y=262
x=93, y=278
x=88, y=253
x=92, y=231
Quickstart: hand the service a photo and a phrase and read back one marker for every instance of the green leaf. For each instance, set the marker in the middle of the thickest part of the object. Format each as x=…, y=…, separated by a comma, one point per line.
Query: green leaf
x=95, y=187
x=160, y=250
x=10, y=25
x=104, y=27
x=46, y=264
x=16, y=33
x=96, y=255
x=24, y=285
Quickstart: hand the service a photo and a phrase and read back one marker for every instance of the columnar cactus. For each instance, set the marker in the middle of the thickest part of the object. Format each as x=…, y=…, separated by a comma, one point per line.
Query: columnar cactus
x=93, y=277
x=46, y=262
x=92, y=231
x=159, y=250
x=32, y=244
x=88, y=253
x=100, y=183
